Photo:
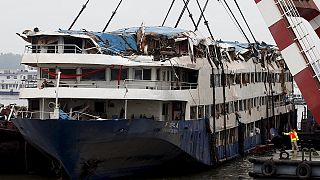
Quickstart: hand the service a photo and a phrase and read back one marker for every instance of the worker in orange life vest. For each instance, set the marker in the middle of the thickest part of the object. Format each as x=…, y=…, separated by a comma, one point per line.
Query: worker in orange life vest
x=294, y=138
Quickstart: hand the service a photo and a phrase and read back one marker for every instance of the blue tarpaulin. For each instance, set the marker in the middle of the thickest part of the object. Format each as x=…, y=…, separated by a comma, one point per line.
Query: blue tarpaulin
x=117, y=43
x=167, y=32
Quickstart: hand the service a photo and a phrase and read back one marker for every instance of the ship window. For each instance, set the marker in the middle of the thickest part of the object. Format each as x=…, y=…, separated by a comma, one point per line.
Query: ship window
x=240, y=105
x=115, y=74
x=226, y=108
x=238, y=78
x=146, y=74
x=8, y=77
x=45, y=74
x=70, y=72
x=34, y=104
x=200, y=111
x=264, y=77
x=100, y=107
x=193, y=112
x=236, y=108
x=245, y=104
x=252, y=78
x=138, y=74
x=212, y=110
x=99, y=75
x=158, y=74
x=217, y=110
x=231, y=107
x=207, y=111
x=72, y=45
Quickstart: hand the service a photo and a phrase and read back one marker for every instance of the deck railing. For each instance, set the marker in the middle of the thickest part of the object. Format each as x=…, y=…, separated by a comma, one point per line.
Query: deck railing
x=127, y=83
x=59, y=49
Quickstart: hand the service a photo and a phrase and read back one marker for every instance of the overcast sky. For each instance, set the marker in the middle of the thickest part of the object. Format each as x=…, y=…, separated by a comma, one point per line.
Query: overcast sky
x=50, y=15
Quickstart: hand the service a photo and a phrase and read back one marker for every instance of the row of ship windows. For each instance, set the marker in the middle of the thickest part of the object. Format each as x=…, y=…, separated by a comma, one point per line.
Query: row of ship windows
x=90, y=74
x=246, y=78
x=22, y=77
x=232, y=133
x=139, y=74
x=9, y=86
x=234, y=106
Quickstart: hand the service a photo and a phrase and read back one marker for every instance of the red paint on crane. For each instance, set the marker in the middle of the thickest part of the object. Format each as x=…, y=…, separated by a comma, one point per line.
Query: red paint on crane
x=309, y=87
x=281, y=34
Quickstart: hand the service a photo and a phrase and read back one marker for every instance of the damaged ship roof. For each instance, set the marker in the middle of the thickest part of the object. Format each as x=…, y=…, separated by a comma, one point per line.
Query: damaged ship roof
x=160, y=31
x=117, y=42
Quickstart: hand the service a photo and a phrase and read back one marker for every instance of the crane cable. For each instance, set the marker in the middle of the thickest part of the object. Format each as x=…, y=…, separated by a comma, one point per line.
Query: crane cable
x=235, y=1
x=190, y=14
x=203, y=9
x=113, y=13
x=234, y=19
x=165, y=19
x=182, y=12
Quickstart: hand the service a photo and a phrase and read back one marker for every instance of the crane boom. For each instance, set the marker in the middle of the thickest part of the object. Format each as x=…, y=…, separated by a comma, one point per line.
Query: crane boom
x=284, y=20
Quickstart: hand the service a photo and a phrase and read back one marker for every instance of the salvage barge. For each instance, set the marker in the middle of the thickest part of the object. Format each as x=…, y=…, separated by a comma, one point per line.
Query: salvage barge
x=117, y=103
x=284, y=164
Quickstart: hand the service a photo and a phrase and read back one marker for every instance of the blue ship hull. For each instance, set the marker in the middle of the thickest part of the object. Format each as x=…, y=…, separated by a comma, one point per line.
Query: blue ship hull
x=112, y=148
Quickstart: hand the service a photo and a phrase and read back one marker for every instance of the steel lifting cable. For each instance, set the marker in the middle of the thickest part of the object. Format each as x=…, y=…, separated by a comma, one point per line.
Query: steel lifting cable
x=113, y=13
x=181, y=14
x=235, y=1
x=190, y=14
x=237, y=22
x=165, y=19
x=203, y=9
x=205, y=20
x=74, y=21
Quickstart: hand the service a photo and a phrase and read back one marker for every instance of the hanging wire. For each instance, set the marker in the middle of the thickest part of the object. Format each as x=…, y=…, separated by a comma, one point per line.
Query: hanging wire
x=165, y=19
x=228, y=9
x=235, y=1
x=181, y=14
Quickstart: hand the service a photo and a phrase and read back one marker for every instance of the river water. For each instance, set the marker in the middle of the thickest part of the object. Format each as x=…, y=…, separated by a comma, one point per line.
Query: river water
x=235, y=169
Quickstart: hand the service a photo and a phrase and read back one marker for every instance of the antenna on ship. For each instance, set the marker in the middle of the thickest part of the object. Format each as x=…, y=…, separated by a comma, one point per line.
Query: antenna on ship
x=83, y=7
x=113, y=13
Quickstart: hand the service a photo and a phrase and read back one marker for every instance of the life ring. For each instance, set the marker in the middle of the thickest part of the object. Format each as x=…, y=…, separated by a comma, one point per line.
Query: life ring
x=284, y=155
x=268, y=168
x=303, y=171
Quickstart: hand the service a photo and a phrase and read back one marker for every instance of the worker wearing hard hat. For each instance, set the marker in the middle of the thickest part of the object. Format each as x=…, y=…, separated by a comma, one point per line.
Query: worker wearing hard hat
x=294, y=138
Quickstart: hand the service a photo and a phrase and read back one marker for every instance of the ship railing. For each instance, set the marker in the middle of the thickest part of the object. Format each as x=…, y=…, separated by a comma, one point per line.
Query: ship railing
x=127, y=83
x=54, y=48
x=158, y=85
x=76, y=115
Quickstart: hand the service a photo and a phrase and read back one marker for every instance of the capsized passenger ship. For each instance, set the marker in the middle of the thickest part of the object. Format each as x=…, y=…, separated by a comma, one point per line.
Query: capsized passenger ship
x=111, y=104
